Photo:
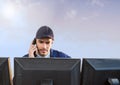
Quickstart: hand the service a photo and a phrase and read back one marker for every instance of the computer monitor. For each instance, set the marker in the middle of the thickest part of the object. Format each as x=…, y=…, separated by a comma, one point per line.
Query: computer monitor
x=46, y=71
x=100, y=71
x=4, y=72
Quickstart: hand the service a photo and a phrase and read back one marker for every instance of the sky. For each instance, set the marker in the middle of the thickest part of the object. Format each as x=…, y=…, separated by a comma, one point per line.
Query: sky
x=82, y=28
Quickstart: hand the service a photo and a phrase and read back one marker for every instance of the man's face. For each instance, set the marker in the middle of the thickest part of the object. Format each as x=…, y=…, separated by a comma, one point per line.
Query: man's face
x=44, y=45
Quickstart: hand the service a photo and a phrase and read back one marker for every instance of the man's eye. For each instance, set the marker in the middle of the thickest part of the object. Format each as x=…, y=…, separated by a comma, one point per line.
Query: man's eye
x=40, y=41
x=47, y=42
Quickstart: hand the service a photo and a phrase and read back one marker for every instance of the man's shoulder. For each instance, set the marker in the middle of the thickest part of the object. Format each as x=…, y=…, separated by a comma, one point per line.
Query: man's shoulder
x=26, y=55
x=56, y=53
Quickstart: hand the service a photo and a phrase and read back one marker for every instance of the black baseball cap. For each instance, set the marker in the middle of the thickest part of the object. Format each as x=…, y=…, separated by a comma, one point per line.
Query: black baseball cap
x=44, y=32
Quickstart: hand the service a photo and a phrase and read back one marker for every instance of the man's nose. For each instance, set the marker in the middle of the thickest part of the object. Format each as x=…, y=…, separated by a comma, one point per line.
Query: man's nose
x=44, y=45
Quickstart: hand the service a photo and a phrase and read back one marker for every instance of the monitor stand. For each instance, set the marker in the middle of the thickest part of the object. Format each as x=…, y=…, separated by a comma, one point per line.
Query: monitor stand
x=113, y=81
x=46, y=82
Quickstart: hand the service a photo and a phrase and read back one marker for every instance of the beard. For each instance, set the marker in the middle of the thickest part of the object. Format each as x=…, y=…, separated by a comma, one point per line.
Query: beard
x=42, y=52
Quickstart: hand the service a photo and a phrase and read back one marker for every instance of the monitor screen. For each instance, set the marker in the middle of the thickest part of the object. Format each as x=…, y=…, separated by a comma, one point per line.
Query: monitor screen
x=46, y=71
x=100, y=72
x=4, y=72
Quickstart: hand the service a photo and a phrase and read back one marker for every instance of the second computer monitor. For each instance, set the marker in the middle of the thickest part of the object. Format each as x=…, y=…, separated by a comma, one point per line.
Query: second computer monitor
x=100, y=72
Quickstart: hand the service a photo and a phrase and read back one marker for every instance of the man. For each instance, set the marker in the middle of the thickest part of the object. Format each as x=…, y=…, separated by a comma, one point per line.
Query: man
x=41, y=45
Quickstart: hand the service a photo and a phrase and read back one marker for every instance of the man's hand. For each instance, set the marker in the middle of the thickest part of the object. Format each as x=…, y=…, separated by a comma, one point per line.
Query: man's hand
x=32, y=50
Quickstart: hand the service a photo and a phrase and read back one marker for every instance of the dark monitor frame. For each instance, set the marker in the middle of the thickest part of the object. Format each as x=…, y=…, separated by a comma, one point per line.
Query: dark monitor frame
x=46, y=71
x=97, y=71
x=5, y=77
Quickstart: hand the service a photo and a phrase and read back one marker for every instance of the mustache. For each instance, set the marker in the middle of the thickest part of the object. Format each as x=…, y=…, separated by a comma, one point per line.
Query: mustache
x=42, y=49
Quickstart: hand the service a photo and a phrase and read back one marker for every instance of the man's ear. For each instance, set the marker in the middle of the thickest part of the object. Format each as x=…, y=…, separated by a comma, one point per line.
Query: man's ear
x=52, y=41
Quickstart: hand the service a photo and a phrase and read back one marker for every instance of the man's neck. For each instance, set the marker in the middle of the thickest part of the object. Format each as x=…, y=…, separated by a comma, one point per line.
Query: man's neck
x=47, y=56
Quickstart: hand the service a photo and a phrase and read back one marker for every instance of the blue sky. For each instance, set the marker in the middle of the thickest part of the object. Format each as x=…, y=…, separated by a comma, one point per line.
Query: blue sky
x=82, y=28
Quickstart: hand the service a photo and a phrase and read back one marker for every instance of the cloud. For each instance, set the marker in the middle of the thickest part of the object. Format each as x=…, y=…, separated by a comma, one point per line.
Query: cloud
x=71, y=14
x=63, y=15
x=90, y=17
x=97, y=2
